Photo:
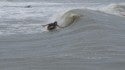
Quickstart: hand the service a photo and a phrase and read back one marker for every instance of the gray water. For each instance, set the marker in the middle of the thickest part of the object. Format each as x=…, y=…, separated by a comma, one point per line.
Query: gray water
x=95, y=42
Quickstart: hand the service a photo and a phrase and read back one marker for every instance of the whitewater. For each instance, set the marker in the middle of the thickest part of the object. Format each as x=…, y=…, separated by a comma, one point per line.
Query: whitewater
x=94, y=40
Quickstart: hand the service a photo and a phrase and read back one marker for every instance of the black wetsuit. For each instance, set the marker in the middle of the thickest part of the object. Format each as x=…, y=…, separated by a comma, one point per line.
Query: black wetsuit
x=52, y=26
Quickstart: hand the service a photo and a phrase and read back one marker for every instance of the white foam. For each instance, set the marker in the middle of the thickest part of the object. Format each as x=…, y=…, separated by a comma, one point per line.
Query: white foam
x=117, y=9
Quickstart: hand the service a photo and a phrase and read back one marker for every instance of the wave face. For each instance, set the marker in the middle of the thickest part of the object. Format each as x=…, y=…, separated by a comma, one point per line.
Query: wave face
x=94, y=40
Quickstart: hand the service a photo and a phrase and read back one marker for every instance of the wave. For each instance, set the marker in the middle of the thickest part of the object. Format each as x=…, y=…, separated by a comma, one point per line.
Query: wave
x=117, y=9
x=75, y=16
x=87, y=20
x=66, y=18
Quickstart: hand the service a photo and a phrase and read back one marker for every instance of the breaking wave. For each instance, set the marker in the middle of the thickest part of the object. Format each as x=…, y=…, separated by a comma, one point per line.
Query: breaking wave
x=117, y=9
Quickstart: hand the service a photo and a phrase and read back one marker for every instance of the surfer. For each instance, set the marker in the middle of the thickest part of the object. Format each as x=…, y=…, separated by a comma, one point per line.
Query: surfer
x=52, y=26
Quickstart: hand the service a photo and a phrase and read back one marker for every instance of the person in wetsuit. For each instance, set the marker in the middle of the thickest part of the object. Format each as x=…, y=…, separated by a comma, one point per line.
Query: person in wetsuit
x=52, y=26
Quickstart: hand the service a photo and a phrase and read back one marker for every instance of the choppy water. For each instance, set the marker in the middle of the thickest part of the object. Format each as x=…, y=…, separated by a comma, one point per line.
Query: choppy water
x=95, y=42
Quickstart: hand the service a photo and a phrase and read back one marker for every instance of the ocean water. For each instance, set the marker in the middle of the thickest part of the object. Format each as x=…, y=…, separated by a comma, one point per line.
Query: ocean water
x=95, y=41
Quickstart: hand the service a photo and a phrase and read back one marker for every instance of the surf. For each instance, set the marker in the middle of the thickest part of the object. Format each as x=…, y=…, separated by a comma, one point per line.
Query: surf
x=116, y=9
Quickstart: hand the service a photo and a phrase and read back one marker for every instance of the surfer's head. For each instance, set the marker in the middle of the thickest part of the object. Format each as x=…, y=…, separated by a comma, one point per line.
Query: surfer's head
x=55, y=23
